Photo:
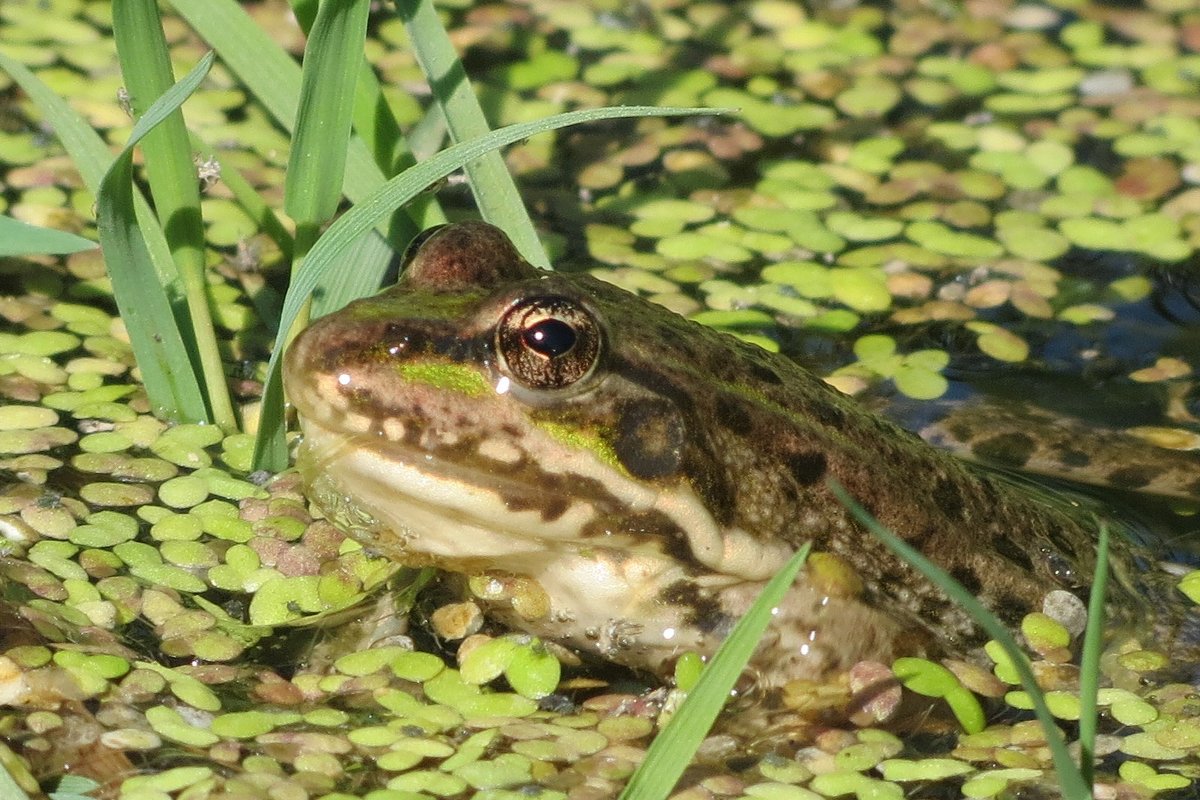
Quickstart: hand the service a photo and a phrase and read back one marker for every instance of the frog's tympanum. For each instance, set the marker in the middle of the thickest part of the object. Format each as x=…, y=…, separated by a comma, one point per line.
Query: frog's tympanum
x=645, y=474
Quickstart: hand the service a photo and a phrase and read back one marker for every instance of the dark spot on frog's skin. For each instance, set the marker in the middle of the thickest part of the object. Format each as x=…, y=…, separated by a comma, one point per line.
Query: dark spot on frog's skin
x=932, y=607
x=1009, y=449
x=948, y=497
x=807, y=468
x=703, y=611
x=967, y=577
x=765, y=374
x=1011, y=551
x=554, y=507
x=1010, y=609
x=959, y=431
x=1074, y=458
x=650, y=439
x=733, y=416
x=828, y=415
x=1132, y=477
x=1194, y=488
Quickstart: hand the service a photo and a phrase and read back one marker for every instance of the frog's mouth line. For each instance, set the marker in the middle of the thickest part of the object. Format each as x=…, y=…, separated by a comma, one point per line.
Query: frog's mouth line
x=501, y=517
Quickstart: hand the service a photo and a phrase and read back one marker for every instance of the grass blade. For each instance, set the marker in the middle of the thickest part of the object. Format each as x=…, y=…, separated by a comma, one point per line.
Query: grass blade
x=673, y=749
x=146, y=70
x=1089, y=660
x=1068, y=773
x=495, y=193
x=270, y=451
x=18, y=239
x=340, y=286
x=317, y=163
x=271, y=76
x=174, y=185
x=154, y=331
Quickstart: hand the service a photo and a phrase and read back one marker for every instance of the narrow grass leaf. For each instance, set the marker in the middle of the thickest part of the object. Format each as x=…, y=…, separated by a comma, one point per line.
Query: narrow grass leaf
x=270, y=446
x=673, y=749
x=333, y=57
x=493, y=187
x=154, y=331
x=376, y=125
x=1068, y=773
x=174, y=184
x=340, y=286
x=19, y=239
x=271, y=76
x=1089, y=659
x=146, y=70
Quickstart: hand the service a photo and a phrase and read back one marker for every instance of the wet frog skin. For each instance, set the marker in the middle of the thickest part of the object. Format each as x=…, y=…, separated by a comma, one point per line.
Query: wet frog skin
x=642, y=476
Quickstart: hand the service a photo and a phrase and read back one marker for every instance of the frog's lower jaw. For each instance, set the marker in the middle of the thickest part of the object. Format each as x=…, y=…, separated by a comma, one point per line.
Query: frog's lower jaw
x=619, y=596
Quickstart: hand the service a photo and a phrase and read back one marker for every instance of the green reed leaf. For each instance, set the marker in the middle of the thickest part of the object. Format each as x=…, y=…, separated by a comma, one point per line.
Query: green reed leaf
x=493, y=187
x=18, y=238
x=1089, y=659
x=142, y=297
x=1069, y=776
x=674, y=748
x=333, y=57
x=174, y=185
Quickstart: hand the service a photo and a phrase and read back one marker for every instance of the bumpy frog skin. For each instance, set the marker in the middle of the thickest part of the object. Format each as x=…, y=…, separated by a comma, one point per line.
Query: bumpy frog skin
x=646, y=474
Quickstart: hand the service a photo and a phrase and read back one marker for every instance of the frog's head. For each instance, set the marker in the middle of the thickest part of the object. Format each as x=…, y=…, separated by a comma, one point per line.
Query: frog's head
x=479, y=416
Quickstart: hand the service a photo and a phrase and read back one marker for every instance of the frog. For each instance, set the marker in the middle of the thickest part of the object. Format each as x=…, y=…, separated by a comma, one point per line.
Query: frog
x=639, y=477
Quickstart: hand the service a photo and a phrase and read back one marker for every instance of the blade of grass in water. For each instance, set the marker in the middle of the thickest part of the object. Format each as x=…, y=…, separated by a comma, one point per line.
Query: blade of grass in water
x=274, y=79
x=270, y=451
x=177, y=397
x=174, y=185
x=1089, y=659
x=673, y=749
x=158, y=344
x=316, y=166
x=18, y=239
x=271, y=76
x=1069, y=776
x=495, y=193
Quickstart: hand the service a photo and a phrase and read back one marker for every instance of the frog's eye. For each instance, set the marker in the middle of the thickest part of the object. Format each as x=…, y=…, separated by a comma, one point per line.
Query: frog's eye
x=548, y=342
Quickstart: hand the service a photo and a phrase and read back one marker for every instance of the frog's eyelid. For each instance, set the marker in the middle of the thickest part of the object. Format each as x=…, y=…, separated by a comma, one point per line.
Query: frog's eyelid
x=414, y=245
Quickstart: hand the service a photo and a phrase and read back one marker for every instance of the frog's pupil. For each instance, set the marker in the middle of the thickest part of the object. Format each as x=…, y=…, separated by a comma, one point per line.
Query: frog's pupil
x=550, y=337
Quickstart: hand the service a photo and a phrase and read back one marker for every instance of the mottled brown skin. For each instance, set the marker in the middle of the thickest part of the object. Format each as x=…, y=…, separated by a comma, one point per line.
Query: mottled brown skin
x=1032, y=440
x=756, y=435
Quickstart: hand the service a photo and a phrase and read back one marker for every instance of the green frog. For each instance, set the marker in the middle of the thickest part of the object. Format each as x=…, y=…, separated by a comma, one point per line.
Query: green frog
x=638, y=477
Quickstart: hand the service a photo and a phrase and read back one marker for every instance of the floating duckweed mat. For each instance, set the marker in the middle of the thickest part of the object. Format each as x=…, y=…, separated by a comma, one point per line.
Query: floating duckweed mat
x=916, y=185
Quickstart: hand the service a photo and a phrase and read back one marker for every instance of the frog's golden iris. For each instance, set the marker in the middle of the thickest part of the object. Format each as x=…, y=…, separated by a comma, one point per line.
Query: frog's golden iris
x=648, y=474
